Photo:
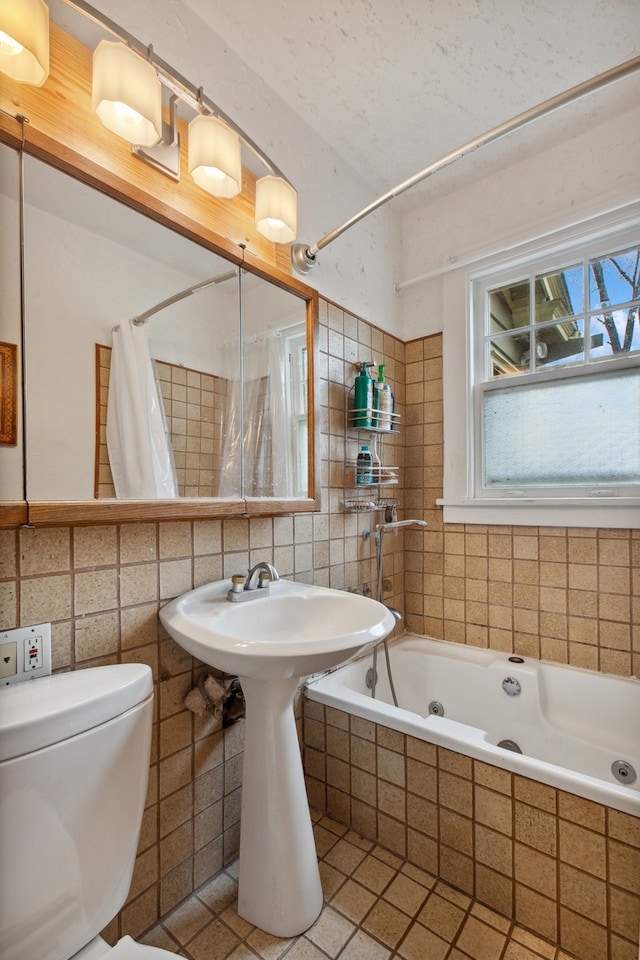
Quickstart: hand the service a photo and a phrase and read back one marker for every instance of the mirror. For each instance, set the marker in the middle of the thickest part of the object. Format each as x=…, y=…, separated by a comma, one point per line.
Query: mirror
x=230, y=351
x=11, y=433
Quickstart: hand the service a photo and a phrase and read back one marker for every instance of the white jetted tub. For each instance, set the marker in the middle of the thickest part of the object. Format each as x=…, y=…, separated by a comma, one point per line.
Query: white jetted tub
x=577, y=730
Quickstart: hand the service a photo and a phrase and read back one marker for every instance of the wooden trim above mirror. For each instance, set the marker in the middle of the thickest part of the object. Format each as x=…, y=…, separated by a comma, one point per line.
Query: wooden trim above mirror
x=55, y=124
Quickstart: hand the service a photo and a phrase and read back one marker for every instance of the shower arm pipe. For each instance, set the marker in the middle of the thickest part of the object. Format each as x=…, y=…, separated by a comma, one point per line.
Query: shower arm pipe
x=143, y=317
x=304, y=257
x=193, y=96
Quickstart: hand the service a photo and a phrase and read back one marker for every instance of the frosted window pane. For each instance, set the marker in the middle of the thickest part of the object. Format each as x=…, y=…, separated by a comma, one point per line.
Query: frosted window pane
x=582, y=431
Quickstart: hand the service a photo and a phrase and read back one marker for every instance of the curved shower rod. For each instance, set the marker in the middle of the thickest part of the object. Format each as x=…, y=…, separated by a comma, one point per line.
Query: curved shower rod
x=142, y=318
x=303, y=257
x=211, y=282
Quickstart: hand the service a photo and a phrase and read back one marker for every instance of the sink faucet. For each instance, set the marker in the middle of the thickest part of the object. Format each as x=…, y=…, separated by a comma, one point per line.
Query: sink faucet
x=264, y=567
x=256, y=583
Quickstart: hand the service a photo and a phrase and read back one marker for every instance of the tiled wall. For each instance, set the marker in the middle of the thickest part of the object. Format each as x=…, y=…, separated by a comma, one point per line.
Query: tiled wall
x=564, y=867
x=193, y=404
x=102, y=588
x=567, y=595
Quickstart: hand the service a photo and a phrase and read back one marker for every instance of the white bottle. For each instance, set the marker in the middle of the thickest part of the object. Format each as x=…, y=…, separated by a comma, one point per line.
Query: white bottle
x=364, y=469
x=383, y=401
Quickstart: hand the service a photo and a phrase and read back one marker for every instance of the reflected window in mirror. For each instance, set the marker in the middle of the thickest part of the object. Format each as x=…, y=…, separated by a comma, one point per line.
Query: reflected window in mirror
x=273, y=333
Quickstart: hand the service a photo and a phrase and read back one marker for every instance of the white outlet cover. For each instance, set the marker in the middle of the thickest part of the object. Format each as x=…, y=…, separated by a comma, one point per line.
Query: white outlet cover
x=20, y=635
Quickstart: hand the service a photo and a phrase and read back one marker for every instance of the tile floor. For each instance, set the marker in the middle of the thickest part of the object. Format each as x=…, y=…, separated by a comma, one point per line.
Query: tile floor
x=377, y=907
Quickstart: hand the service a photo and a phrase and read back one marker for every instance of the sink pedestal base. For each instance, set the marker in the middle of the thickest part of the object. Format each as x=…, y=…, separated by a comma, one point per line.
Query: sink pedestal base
x=279, y=884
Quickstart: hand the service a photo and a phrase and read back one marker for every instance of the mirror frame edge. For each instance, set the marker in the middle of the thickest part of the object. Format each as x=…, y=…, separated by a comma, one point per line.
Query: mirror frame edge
x=23, y=137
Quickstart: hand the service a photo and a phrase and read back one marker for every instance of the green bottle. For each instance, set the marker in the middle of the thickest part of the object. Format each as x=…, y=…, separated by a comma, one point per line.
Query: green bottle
x=363, y=400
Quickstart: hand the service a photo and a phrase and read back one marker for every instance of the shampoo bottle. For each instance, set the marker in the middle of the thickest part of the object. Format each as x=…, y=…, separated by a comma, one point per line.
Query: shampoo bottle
x=383, y=401
x=364, y=468
x=363, y=399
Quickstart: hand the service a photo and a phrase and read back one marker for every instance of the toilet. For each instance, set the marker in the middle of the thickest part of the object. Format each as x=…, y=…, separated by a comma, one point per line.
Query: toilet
x=74, y=765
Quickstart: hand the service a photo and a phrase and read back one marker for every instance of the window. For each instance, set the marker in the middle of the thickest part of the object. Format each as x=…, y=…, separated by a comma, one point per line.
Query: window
x=554, y=387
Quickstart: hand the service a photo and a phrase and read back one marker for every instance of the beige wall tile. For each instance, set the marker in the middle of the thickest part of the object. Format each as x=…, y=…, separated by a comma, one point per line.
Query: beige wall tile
x=493, y=810
x=97, y=636
x=583, y=894
x=582, y=848
x=138, y=542
x=95, y=590
x=624, y=866
x=44, y=551
x=494, y=850
x=536, y=912
x=535, y=828
x=580, y=935
x=95, y=546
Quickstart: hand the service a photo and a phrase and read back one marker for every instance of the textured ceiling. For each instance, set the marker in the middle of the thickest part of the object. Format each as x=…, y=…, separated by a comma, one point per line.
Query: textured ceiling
x=394, y=85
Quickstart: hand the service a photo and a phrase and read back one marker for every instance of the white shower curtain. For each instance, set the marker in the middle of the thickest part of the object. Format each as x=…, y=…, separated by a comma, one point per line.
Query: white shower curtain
x=257, y=428
x=139, y=450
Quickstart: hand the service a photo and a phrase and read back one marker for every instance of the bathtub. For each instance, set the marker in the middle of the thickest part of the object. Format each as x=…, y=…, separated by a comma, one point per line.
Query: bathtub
x=571, y=725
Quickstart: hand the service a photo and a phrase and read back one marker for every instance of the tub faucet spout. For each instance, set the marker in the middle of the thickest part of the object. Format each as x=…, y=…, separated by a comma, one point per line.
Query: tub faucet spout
x=396, y=524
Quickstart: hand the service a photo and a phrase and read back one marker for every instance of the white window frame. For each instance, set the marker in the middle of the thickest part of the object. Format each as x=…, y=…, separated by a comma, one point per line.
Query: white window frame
x=462, y=501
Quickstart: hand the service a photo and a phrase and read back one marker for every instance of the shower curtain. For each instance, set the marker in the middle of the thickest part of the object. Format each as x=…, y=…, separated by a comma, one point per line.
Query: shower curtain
x=139, y=449
x=257, y=454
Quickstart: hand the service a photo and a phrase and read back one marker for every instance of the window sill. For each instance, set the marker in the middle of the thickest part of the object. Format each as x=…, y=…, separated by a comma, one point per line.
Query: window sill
x=618, y=513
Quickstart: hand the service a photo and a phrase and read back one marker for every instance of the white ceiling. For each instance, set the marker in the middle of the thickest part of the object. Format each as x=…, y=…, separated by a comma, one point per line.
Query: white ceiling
x=394, y=85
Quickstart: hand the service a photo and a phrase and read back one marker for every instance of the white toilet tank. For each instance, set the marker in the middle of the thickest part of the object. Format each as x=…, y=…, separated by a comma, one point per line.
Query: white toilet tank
x=74, y=764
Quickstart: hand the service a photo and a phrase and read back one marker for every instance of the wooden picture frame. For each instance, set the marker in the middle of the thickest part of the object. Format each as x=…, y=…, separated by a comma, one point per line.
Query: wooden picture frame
x=8, y=394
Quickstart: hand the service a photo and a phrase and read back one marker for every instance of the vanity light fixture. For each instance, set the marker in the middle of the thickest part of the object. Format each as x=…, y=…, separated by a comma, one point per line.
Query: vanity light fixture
x=128, y=83
x=126, y=93
x=276, y=209
x=215, y=161
x=24, y=40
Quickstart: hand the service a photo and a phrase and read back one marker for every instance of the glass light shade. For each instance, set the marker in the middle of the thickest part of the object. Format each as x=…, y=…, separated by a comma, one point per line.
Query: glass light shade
x=215, y=161
x=126, y=94
x=24, y=40
x=276, y=209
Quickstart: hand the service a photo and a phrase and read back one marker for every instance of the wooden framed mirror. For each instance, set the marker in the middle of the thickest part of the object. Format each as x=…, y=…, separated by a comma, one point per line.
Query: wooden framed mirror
x=104, y=243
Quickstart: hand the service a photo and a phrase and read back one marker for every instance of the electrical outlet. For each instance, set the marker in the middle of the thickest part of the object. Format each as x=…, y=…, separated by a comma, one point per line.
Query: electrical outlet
x=8, y=659
x=33, y=659
x=25, y=653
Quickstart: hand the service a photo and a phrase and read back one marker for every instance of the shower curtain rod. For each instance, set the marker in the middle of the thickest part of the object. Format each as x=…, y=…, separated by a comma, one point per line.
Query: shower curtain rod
x=303, y=257
x=143, y=317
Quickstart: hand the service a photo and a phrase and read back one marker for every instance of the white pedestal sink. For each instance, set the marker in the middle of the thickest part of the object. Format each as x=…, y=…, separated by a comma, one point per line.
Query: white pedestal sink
x=271, y=642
